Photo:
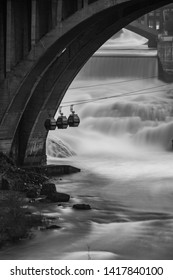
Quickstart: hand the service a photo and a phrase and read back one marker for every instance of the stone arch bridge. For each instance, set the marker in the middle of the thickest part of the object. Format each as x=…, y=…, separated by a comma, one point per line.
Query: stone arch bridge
x=144, y=30
x=44, y=44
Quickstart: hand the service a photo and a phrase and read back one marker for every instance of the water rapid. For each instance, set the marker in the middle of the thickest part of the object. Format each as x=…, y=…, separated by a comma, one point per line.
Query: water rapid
x=124, y=145
x=124, y=149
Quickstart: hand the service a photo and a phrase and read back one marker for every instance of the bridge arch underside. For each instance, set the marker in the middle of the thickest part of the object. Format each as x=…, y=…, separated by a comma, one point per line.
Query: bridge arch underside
x=25, y=135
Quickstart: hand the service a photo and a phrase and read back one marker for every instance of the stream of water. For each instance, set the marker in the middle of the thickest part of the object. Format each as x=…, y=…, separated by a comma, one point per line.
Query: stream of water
x=124, y=150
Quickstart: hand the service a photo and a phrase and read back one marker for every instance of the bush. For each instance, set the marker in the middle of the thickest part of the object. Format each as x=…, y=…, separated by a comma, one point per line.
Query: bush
x=13, y=221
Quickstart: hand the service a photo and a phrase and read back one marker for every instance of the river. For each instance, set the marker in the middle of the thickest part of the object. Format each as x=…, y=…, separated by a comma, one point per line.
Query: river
x=124, y=150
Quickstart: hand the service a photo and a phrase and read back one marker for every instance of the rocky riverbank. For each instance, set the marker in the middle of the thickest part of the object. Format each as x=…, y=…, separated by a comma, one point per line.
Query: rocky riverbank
x=19, y=189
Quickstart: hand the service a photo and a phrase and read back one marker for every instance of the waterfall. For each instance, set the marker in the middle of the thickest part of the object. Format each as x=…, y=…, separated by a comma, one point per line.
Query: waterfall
x=138, y=108
x=109, y=67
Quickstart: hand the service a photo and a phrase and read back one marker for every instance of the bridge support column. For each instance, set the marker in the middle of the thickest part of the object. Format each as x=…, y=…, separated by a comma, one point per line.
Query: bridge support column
x=152, y=43
x=32, y=154
x=33, y=23
x=80, y=4
x=36, y=152
x=2, y=39
x=154, y=20
x=165, y=54
x=85, y=3
x=146, y=20
x=59, y=11
x=9, y=36
x=54, y=13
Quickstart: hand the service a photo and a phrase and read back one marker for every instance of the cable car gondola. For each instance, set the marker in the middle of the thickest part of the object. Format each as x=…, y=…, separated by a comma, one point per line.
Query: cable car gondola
x=50, y=124
x=73, y=119
x=62, y=121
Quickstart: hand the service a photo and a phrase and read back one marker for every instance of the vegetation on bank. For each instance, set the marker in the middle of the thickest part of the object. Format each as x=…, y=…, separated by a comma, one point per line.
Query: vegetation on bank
x=15, y=185
x=15, y=223
x=18, y=188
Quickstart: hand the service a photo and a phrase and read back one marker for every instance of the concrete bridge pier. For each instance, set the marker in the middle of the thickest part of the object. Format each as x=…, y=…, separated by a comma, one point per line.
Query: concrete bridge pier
x=35, y=153
x=152, y=43
x=149, y=33
x=165, y=56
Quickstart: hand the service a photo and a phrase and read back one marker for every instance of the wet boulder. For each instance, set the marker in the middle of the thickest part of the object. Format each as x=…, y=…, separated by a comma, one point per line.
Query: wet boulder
x=82, y=207
x=53, y=227
x=58, y=197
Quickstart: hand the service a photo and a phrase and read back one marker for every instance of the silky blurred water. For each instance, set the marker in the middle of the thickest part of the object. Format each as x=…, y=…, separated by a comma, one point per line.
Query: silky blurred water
x=124, y=150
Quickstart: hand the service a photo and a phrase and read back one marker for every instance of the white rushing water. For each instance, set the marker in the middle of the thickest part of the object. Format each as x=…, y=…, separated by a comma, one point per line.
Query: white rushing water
x=124, y=148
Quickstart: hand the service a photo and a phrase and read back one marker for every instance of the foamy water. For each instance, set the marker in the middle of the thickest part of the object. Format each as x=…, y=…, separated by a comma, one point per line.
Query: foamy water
x=126, y=142
x=124, y=149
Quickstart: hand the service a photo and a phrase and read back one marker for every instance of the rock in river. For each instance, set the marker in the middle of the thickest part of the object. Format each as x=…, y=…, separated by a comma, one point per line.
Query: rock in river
x=58, y=197
x=53, y=227
x=82, y=206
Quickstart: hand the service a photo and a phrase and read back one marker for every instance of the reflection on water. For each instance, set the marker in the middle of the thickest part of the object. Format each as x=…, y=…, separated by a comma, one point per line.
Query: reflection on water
x=123, y=147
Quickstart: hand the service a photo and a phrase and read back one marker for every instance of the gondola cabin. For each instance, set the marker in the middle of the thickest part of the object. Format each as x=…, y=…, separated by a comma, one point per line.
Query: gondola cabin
x=73, y=120
x=50, y=124
x=62, y=122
